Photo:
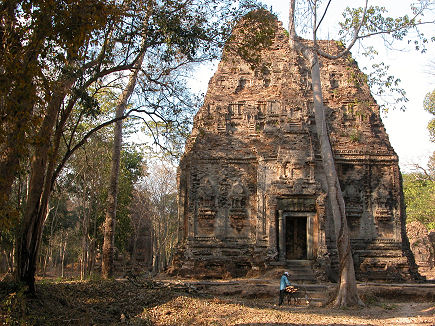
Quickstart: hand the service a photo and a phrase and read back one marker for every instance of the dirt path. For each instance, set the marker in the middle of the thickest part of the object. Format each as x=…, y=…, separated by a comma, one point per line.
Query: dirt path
x=196, y=311
x=413, y=314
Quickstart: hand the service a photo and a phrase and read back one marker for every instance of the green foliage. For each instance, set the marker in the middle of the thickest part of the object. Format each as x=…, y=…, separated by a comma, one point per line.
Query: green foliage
x=382, y=83
x=253, y=33
x=355, y=135
x=431, y=127
x=419, y=193
x=429, y=106
x=81, y=196
x=377, y=22
x=419, y=187
x=429, y=102
x=130, y=174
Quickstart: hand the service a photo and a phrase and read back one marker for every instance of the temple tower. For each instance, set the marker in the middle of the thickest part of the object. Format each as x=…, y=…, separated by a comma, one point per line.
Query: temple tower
x=252, y=190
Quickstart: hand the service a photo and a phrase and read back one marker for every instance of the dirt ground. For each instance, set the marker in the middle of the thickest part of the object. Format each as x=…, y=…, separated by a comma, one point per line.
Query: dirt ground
x=216, y=311
x=140, y=301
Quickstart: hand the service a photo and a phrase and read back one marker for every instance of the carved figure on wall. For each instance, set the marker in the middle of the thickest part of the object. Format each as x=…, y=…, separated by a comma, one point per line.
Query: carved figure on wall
x=238, y=199
x=286, y=170
x=207, y=204
x=352, y=198
x=354, y=207
x=382, y=201
x=237, y=212
x=294, y=166
x=206, y=194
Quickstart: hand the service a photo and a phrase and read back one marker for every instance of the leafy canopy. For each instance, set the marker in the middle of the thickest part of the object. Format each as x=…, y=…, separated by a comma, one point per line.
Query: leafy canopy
x=429, y=106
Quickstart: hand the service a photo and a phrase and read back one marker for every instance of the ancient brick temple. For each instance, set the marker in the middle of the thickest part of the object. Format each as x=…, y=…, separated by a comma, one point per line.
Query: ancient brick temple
x=252, y=190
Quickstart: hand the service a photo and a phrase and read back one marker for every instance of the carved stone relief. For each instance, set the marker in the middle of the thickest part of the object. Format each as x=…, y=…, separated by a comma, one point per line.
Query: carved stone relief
x=382, y=199
x=206, y=204
x=258, y=150
x=354, y=207
x=383, y=206
x=237, y=213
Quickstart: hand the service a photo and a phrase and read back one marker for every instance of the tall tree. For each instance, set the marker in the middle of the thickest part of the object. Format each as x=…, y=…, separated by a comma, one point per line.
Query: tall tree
x=360, y=23
x=68, y=64
x=58, y=72
x=38, y=39
x=109, y=225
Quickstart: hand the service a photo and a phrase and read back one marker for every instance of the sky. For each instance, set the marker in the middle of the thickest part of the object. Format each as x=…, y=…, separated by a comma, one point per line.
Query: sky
x=406, y=129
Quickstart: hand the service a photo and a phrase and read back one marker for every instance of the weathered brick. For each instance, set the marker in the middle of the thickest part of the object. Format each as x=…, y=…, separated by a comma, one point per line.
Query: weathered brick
x=252, y=166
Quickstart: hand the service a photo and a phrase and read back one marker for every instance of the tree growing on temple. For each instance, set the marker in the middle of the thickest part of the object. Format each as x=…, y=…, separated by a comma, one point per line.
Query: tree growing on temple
x=359, y=24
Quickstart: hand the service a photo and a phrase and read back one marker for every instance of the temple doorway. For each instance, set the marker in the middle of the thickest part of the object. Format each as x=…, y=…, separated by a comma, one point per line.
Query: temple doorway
x=296, y=237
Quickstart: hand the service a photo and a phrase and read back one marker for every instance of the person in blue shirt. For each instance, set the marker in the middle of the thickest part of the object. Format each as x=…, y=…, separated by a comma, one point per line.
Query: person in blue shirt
x=282, y=285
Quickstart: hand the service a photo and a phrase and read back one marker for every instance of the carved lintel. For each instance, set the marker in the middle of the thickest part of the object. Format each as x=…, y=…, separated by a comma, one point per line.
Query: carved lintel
x=297, y=204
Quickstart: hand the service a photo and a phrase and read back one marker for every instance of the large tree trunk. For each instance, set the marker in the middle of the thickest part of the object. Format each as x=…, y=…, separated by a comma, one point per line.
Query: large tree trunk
x=30, y=237
x=42, y=167
x=347, y=293
x=43, y=164
x=17, y=105
x=84, y=271
x=109, y=226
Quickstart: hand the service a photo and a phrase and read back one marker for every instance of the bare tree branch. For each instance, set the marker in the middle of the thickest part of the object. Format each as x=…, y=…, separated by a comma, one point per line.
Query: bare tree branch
x=351, y=44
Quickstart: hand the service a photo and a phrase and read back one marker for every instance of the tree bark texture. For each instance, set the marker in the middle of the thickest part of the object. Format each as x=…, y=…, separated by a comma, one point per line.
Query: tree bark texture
x=109, y=225
x=347, y=293
x=43, y=164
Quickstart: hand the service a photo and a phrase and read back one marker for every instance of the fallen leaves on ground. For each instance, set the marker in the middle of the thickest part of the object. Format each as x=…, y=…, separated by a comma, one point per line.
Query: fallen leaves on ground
x=136, y=302
x=185, y=310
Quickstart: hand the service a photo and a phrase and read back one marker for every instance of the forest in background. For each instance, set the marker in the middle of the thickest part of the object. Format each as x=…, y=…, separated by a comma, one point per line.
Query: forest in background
x=146, y=225
x=419, y=185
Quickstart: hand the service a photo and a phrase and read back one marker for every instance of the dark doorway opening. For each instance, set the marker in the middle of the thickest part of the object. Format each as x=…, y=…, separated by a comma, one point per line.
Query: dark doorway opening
x=296, y=237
